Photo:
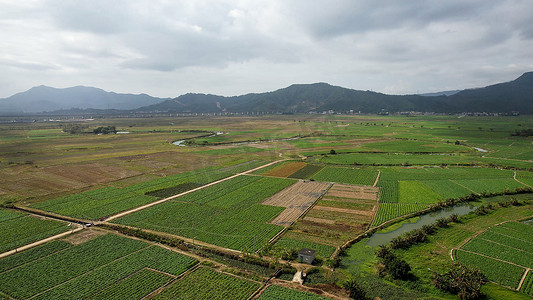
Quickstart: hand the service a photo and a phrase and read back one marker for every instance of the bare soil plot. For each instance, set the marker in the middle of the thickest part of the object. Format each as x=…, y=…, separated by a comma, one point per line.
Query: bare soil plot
x=297, y=199
x=343, y=212
x=83, y=236
x=285, y=169
x=354, y=191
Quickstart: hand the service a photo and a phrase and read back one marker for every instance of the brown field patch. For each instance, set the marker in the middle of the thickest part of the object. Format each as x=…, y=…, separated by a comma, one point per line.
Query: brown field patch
x=83, y=236
x=285, y=169
x=319, y=220
x=297, y=198
x=345, y=210
x=354, y=191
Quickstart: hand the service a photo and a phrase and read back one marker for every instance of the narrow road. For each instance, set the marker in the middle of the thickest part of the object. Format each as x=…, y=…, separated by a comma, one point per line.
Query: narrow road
x=184, y=193
x=35, y=244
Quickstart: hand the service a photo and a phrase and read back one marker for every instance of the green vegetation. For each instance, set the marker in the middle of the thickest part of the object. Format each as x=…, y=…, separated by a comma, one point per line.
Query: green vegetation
x=503, y=252
x=86, y=268
x=18, y=229
x=204, y=283
x=296, y=245
x=276, y=292
x=306, y=172
x=226, y=214
x=389, y=211
x=345, y=175
x=422, y=161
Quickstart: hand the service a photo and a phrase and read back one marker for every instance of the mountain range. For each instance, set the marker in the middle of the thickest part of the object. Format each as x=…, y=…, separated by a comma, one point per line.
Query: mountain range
x=516, y=95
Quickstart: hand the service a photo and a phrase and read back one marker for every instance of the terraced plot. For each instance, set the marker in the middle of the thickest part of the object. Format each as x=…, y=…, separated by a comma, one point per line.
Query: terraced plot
x=343, y=212
x=296, y=199
x=503, y=252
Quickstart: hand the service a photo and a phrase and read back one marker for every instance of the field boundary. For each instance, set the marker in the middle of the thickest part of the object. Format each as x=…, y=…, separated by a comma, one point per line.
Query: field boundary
x=124, y=213
x=523, y=279
x=516, y=179
x=40, y=242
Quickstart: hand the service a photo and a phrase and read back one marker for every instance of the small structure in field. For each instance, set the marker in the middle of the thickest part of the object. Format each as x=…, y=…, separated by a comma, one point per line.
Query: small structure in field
x=306, y=255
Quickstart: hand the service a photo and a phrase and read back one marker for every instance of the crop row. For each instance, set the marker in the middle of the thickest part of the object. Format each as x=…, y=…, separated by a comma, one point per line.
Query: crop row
x=205, y=283
x=135, y=286
x=306, y=172
x=226, y=214
x=95, y=204
x=457, y=173
x=527, y=286
x=446, y=188
x=414, y=191
x=499, y=251
x=87, y=268
x=490, y=185
x=400, y=159
x=107, y=201
x=389, y=211
x=388, y=192
x=345, y=175
x=24, y=229
x=276, y=292
x=495, y=270
x=508, y=240
x=32, y=254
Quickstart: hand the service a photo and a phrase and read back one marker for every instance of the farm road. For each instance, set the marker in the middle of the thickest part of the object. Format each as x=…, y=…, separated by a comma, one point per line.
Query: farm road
x=35, y=244
x=185, y=193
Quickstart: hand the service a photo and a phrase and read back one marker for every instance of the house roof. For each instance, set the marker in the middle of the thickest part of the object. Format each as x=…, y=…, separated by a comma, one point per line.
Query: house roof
x=306, y=251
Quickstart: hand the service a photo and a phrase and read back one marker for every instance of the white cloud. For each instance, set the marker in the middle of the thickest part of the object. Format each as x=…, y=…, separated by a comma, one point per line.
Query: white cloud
x=166, y=48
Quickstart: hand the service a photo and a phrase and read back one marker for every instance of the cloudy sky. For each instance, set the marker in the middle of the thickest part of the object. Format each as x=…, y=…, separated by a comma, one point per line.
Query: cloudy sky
x=168, y=48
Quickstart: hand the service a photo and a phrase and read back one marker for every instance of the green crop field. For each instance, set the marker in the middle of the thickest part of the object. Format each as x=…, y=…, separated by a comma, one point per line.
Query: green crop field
x=503, y=252
x=527, y=286
x=98, y=203
x=345, y=175
x=276, y=292
x=85, y=269
x=18, y=229
x=389, y=211
x=420, y=160
x=204, y=283
x=306, y=172
x=226, y=214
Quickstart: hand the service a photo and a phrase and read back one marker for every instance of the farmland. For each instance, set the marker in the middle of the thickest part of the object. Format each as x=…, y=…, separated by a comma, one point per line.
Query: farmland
x=337, y=177
x=204, y=283
x=90, y=267
x=18, y=229
x=229, y=214
x=503, y=253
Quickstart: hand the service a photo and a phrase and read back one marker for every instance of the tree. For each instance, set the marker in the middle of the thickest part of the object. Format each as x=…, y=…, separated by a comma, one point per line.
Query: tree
x=332, y=152
x=461, y=280
x=355, y=289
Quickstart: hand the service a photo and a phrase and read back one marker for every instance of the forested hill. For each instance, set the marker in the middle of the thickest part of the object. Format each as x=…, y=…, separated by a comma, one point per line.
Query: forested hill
x=516, y=95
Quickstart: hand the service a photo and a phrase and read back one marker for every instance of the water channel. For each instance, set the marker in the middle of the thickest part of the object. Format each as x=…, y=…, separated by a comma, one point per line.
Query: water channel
x=378, y=239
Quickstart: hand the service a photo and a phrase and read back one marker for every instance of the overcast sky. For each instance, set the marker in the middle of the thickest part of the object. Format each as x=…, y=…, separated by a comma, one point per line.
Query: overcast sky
x=168, y=48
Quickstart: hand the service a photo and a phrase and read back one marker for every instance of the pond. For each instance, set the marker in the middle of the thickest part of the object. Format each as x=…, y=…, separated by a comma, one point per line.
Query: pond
x=378, y=239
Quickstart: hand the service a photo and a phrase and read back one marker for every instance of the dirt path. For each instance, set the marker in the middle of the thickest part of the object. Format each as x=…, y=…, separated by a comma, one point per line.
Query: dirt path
x=185, y=193
x=46, y=240
x=377, y=178
x=514, y=177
